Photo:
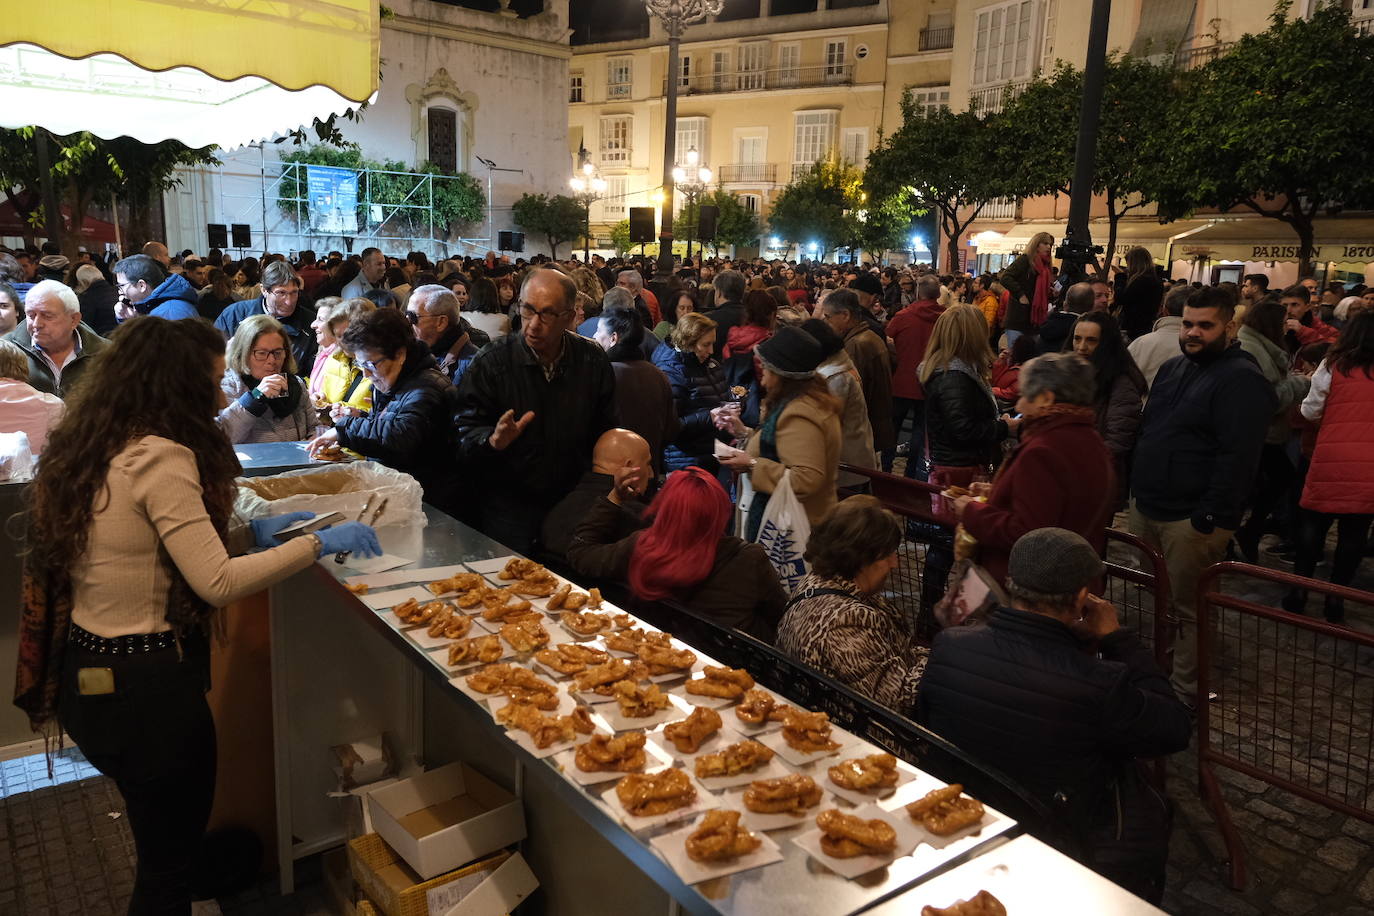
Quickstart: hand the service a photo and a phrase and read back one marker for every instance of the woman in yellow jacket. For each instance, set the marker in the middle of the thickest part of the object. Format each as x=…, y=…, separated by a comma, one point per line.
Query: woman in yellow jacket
x=342, y=381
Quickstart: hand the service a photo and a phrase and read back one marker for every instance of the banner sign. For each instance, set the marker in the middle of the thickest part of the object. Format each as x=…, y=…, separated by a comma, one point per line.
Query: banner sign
x=333, y=196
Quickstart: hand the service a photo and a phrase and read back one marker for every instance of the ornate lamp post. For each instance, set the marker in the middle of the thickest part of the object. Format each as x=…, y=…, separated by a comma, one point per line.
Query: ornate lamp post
x=587, y=187
x=675, y=15
x=692, y=181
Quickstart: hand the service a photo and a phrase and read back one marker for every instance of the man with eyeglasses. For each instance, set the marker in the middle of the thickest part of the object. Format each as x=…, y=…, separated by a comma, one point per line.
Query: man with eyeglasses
x=531, y=407
x=281, y=291
x=145, y=289
x=433, y=313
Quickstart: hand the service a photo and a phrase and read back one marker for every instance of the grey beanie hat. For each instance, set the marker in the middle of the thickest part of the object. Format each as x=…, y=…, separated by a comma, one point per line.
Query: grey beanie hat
x=1052, y=561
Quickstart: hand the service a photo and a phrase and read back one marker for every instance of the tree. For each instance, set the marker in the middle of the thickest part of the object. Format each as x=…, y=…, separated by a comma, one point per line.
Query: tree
x=1274, y=127
x=558, y=218
x=950, y=162
x=620, y=237
x=146, y=170
x=1136, y=103
x=820, y=206
x=736, y=224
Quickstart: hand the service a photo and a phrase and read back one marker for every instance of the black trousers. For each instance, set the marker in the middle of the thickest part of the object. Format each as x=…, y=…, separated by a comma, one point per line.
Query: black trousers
x=915, y=458
x=1352, y=534
x=155, y=738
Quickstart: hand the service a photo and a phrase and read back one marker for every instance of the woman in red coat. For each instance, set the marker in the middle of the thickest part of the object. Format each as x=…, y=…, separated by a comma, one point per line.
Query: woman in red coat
x=1061, y=476
x=1340, y=480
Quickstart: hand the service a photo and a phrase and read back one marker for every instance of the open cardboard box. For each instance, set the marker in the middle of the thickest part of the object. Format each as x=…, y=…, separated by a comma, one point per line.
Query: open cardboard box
x=445, y=818
x=491, y=886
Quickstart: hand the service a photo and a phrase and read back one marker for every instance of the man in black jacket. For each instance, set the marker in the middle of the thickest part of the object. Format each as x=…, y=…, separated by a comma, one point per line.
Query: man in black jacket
x=1195, y=460
x=1027, y=695
x=530, y=407
x=729, y=310
x=616, y=450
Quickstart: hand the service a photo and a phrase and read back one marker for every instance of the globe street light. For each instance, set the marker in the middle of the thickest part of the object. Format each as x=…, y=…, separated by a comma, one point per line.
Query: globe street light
x=692, y=183
x=675, y=15
x=587, y=187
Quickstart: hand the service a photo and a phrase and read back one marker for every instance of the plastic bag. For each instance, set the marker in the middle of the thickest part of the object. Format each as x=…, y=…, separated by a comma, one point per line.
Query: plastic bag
x=343, y=488
x=16, y=458
x=783, y=533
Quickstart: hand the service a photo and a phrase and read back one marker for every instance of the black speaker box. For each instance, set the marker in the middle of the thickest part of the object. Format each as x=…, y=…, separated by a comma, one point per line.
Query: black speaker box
x=243, y=235
x=217, y=234
x=707, y=214
x=641, y=225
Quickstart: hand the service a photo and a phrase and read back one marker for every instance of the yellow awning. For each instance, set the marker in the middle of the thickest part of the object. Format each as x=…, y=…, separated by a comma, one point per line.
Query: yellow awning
x=1342, y=239
x=200, y=71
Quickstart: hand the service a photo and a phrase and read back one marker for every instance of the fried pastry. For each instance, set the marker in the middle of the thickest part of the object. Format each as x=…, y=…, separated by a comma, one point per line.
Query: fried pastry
x=845, y=835
x=575, y=601
x=734, y=759
x=726, y=683
x=519, y=568
x=631, y=639
x=594, y=599
x=460, y=582
x=620, y=621
x=584, y=624
x=491, y=678
x=545, y=731
x=514, y=607
x=980, y=904
x=448, y=625
x=720, y=836
x=473, y=597
x=362, y=588
x=571, y=658
x=559, y=596
x=755, y=707
x=539, y=585
x=524, y=686
x=413, y=612
x=807, y=731
x=638, y=702
x=607, y=754
x=688, y=734
x=484, y=649
x=601, y=678
x=946, y=811
x=663, y=660
x=495, y=597
x=644, y=795
x=525, y=635
x=866, y=774
x=791, y=794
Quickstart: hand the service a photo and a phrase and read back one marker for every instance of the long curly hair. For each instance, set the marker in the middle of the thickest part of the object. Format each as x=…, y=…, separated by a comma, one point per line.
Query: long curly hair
x=155, y=379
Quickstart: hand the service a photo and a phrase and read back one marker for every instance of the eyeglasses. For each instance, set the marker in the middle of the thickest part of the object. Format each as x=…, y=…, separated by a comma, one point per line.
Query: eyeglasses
x=371, y=365
x=278, y=353
x=417, y=318
x=284, y=292
x=546, y=315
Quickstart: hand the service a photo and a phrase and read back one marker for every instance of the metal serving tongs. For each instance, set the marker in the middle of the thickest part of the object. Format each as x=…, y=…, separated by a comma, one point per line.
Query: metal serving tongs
x=343, y=554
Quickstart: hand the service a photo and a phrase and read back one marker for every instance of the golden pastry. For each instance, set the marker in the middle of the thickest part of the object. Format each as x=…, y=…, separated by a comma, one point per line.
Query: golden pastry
x=980, y=904
x=600, y=678
x=545, y=731
x=448, y=625
x=631, y=639
x=621, y=621
x=719, y=836
x=525, y=635
x=558, y=597
x=733, y=759
x=491, y=678
x=726, y=683
x=663, y=660
x=866, y=774
x=638, y=702
x=485, y=649
x=519, y=568
x=845, y=835
x=688, y=734
x=513, y=607
x=362, y=588
x=607, y=754
x=460, y=582
x=946, y=811
x=790, y=794
x=570, y=658
x=644, y=795
x=584, y=624
x=575, y=601
x=524, y=686
x=594, y=599
x=537, y=585
x=807, y=731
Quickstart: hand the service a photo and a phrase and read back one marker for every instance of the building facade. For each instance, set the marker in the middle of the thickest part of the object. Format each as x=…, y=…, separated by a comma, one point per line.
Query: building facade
x=764, y=91
x=450, y=78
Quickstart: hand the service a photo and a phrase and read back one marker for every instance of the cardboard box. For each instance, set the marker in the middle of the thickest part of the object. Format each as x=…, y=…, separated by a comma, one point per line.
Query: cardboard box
x=445, y=818
x=489, y=887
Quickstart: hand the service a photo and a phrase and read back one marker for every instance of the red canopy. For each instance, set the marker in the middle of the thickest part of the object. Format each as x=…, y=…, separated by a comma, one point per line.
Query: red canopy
x=92, y=230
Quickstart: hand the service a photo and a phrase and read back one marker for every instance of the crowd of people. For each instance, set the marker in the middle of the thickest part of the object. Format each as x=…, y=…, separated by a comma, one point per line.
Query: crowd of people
x=576, y=412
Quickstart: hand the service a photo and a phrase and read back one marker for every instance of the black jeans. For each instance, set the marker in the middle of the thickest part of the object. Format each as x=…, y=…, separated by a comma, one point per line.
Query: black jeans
x=1352, y=534
x=915, y=456
x=155, y=738
x=1272, y=483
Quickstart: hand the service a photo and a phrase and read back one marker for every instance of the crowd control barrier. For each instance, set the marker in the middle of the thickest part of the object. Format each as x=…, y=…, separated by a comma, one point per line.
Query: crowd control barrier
x=1293, y=698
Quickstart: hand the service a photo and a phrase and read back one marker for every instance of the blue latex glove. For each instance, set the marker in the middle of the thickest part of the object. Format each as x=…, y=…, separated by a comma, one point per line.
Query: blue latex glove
x=351, y=537
x=265, y=529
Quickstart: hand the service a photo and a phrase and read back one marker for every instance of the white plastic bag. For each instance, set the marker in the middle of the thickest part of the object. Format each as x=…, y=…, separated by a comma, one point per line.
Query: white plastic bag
x=16, y=458
x=783, y=533
x=341, y=488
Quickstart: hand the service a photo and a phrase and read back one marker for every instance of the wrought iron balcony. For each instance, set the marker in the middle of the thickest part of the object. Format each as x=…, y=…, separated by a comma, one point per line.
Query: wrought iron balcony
x=758, y=80
x=937, y=39
x=759, y=172
x=1195, y=58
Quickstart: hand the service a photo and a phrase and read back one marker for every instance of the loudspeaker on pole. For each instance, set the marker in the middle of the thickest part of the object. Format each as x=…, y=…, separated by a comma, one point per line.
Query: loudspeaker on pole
x=707, y=214
x=641, y=225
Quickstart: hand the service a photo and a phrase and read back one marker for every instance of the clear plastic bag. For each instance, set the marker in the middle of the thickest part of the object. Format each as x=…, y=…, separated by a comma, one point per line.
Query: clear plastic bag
x=343, y=488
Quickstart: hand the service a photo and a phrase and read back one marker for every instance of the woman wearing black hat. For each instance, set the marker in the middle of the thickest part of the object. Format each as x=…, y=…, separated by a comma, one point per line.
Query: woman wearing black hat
x=800, y=431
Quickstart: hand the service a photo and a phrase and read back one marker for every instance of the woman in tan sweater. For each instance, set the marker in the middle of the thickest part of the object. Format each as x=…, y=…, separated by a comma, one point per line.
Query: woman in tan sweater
x=131, y=548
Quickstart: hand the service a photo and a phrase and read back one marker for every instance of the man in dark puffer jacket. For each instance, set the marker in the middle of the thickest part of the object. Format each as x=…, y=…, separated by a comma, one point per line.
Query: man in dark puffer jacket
x=1027, y=695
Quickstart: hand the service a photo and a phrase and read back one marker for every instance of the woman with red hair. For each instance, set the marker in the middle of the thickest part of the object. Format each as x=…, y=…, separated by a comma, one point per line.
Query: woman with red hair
x=683, y=555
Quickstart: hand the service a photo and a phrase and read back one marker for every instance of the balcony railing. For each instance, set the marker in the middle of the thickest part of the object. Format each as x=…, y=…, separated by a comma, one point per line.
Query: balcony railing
x=758, y=172
x=1195, y=58
x=937, y=39
x=993, y=99
x=1003, y=208
x=758, y=80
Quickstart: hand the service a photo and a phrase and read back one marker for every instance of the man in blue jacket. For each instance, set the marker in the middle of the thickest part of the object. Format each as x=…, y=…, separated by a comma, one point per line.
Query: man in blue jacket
x=281, y=292
x=146, y=289
x=1195, y=460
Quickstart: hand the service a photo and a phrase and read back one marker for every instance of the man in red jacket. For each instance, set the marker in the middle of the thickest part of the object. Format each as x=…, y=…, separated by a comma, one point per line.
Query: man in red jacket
x=1304, y=322
x=909, y=330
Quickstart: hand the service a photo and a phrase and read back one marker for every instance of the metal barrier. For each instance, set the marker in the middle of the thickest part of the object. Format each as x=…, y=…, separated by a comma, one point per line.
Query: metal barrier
x=1292, y=706
x=1140, y=590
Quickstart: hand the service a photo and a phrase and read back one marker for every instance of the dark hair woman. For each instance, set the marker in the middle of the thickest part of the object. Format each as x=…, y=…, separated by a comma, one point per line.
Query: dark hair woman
x=483, y=310
x=217, y=295
x=682, y=555
x=412, y=405
x=1340, y=479
x=684, y=301
x=838, y=621
x=760, y=314
x=1120, y=384
x=1139, y=298
x=130, y=533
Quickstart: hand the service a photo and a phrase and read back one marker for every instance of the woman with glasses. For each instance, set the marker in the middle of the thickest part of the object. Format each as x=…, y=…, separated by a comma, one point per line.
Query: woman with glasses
x=412, y=404
x=268, y=402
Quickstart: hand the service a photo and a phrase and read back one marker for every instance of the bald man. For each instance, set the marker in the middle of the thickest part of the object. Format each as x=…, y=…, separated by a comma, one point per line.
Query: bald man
x=158, y=252
x=617, y=448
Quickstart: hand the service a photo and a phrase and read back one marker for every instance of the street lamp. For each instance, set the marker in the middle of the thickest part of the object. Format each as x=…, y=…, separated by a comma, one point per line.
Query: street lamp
x=587, y=187
x=692, y=183
x=675, y=15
